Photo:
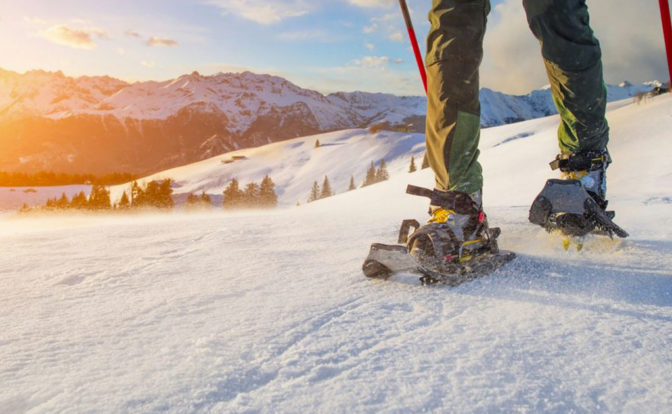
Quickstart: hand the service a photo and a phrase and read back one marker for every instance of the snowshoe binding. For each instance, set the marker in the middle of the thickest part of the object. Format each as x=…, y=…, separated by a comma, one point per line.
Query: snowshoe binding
x=576, y=205
x=455, y=246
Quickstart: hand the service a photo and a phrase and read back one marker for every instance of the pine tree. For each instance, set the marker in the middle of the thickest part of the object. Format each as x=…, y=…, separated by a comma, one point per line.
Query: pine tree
x=150, y=196
x=79, y=201
x=412, y=167
x=63, y=202
x=381, y=173
x=192, y=200
x=352, y=184
x=195, y=202
x=370, y=175
x=164, y=197
x=233, y=195
x=124, y=203
x=205, y=199
x=315, y=192
x=137, y=195
x=251, y=195
x=326, y=188
x=317, y=143
x=99, y=199
x=425, y=162
x=267, y=195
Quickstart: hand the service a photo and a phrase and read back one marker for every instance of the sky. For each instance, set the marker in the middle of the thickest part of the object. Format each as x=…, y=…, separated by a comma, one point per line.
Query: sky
x=326, y=45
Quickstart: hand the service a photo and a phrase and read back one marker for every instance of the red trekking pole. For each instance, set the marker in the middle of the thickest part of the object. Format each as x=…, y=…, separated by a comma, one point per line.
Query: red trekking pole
x=667, y=33
x=414, y=42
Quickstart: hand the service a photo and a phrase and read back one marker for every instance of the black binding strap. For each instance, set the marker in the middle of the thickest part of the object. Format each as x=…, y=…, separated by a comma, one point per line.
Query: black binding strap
x=581, y=161
x=457, y=201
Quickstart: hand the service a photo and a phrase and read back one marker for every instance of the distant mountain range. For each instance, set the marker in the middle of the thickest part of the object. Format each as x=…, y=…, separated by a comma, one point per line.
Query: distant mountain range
x=49, y=121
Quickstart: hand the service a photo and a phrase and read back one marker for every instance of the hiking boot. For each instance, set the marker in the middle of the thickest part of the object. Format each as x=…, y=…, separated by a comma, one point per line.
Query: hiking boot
x=457, y=230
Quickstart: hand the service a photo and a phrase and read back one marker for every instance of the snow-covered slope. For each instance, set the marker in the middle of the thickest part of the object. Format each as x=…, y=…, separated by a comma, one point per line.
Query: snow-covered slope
x=102, y=125
x=269, y=312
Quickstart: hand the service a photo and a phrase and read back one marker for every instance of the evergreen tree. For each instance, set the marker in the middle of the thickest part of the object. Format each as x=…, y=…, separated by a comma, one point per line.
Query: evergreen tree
x=352, y=184
x=136, y=194
x=205, y=199
x=124, y=203
x=315, y=192
x=251, y=195
x=195, y=202
x=151, y=194
x=326, y=188
x=381, y=173
x=63, y=202
x=425, y=162
x=192, y=200
x=79, y=201
x=267, y=195
x=412, y=167
x=51, y=203
x=317, y=143
x=233, y=195
x=370, y=175
x=99, y=199
x=164, y=197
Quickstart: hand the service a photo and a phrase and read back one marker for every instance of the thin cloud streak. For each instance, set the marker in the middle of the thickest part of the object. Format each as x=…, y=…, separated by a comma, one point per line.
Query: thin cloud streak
x=156, y=41
x=76, y=38
x=265, y=12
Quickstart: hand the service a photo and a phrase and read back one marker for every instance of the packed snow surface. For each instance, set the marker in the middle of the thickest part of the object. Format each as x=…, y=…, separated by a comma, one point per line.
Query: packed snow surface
x=269, y=311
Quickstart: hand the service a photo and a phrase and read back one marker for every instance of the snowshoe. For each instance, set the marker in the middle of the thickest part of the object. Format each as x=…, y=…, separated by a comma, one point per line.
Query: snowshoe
x=576, y=205
x=455, y=246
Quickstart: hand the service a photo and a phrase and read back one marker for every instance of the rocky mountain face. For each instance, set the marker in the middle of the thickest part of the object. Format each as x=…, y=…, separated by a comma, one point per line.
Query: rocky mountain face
x=49, y=121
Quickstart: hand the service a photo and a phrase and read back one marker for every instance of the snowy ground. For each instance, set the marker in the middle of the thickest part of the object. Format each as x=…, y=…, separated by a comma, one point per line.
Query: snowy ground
x=250, y=312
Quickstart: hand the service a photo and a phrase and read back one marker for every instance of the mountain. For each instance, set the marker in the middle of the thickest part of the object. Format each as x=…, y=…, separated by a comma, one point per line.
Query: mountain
x=49, y=121
x=248, y=311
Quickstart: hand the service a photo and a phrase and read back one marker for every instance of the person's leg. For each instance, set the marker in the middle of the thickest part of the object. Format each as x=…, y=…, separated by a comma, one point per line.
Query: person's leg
x=573, y=63
x=454, y=53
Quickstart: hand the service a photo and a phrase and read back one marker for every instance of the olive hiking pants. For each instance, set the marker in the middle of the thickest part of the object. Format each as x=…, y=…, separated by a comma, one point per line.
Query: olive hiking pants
x=572, y=58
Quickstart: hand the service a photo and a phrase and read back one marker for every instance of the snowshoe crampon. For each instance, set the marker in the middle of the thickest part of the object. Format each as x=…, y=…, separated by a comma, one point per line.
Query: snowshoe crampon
x=434, y=251
x=565, y=205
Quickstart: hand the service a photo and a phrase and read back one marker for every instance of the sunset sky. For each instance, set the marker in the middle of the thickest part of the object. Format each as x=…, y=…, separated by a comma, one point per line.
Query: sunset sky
x=328, y=45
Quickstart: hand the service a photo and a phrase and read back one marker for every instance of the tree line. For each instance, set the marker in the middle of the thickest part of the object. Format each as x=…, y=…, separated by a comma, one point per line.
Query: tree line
x=154, y=194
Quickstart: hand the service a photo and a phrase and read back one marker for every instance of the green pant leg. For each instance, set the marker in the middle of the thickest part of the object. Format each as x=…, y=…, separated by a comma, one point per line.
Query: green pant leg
x=454, y=53
x=573, y=63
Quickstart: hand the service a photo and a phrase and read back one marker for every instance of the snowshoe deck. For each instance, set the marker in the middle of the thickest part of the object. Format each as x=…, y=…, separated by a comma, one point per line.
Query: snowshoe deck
x=566, y=206
x=385, y=260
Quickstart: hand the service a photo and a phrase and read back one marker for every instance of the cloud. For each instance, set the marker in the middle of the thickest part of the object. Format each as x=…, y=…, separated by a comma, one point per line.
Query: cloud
x=132, y=33
x=304, y=35
x=370, y=73
x=76, y=38
x=629, y=34
x=155, y=41
x=396, y=36
x=372, y=62
x=388, y=23
x=369, y=46
x=148, y=64
x=263, y=11
x=372, y=3
x=372, y=28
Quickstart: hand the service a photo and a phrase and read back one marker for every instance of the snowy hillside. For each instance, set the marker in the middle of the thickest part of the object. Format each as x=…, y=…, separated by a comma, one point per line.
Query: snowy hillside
x=248, y=312
x=100, y=125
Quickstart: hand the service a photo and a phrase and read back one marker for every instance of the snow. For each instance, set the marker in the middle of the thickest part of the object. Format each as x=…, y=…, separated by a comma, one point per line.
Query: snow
x=269, y=312
x=244, y=97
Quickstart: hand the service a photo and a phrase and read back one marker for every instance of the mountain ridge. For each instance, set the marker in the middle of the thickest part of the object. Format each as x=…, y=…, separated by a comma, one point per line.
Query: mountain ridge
x=99, y=124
